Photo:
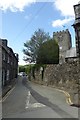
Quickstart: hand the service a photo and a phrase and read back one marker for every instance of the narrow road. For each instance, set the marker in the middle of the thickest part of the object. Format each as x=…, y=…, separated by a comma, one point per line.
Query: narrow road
x=29, y=100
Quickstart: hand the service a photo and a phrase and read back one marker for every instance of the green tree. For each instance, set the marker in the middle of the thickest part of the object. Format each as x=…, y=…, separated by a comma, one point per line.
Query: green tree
x=27, y=69
x=33, y=45
x=21, y=68
x=48, y=53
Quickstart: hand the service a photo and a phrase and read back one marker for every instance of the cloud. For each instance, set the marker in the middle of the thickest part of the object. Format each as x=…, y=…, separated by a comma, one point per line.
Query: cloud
x=15, y=5
x=61, y=23
x=21, y=62
x=65, y=6
x=66, y=10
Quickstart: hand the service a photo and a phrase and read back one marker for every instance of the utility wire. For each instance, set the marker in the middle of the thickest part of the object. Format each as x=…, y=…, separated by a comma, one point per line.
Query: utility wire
x=39, y=10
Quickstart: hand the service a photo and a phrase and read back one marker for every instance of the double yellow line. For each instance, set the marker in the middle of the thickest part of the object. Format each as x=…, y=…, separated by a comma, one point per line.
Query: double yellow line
x=68, y=97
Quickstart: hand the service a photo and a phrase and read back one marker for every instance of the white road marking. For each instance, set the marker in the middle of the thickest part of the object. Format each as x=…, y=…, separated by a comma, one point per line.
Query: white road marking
x=34, y=105
x=28, y=99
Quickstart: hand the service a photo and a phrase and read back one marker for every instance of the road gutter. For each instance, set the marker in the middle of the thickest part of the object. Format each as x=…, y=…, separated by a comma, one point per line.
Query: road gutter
x=68, y=97
x=7, y=94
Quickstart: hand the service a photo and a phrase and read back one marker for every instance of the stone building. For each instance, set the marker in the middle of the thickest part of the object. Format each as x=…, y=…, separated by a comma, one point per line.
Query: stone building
x=76, y=26
x=64, y=41
x=0, y=67
x=9, y=59
x=66, y=51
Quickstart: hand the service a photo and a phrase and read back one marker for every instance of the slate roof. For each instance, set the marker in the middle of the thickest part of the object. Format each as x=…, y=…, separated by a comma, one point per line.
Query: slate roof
x=71, y=52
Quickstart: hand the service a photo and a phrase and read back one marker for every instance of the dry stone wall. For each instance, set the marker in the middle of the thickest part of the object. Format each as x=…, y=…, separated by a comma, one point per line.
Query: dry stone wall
x=64, y=76
x=56, y=74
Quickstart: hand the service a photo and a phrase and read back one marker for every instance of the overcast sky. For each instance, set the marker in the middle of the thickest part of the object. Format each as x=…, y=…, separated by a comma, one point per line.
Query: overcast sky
x=21, y=18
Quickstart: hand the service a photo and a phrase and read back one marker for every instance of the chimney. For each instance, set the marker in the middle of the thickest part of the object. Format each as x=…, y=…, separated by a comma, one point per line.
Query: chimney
x=4, y=42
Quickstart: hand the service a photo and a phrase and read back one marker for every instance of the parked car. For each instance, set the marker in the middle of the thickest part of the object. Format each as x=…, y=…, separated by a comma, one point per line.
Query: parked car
x=22, y=74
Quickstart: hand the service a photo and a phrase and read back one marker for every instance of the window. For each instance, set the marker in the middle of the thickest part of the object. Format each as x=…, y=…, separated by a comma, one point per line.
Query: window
x=11, y=63
x=8, y=60
x=77, y=11
x=3, y=77
x=7, y=75
x=4, y=55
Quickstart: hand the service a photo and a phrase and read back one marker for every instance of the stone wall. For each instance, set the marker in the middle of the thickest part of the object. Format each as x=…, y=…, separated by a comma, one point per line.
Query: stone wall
x=65, y=76
x=61, y=74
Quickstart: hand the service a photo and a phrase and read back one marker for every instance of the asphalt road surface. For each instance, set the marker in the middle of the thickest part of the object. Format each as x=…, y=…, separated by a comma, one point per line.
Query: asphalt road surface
x=30, y=100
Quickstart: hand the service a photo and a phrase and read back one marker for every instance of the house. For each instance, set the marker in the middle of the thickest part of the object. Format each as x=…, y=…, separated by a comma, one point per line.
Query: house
x=8, y=63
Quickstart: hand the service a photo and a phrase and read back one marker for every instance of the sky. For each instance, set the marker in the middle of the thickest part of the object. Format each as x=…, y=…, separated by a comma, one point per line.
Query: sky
x=19, y=19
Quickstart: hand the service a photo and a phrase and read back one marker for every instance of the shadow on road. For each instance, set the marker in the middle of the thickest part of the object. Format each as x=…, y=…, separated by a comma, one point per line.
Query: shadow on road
x=45, y=100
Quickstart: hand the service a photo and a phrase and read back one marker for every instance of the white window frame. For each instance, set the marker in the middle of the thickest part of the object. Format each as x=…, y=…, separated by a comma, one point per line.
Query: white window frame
x=7, y=75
